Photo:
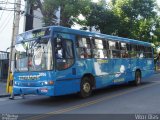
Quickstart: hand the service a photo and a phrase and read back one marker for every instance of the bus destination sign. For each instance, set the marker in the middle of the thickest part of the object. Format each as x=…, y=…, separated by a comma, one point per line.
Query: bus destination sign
x=33, y=34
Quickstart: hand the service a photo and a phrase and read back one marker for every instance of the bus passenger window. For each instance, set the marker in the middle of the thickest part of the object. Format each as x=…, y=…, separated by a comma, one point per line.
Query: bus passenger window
x=106, y=45
x=117, y=46
x=148, y=52
x=128, y=47
x=124, y=50
x=142, y=48
x=100, y=48
x=112, y=45
x=115, y=54
x=83, y=47
x=124, y=54
x=123, y=46
x=133, y=47
x=133, y=52
x=84, y=52
x=138, y=47
x=141, y=55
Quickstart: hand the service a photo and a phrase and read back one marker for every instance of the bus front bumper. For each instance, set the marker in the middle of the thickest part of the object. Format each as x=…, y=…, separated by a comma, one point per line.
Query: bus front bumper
x=48, y=91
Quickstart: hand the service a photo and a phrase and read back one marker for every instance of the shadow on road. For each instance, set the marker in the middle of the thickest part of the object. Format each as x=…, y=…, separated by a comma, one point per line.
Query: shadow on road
x=71, y=99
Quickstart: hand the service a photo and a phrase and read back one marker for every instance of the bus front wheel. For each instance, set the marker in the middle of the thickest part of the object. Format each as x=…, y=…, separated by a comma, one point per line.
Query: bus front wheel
x=137, y=78
x=85, y=87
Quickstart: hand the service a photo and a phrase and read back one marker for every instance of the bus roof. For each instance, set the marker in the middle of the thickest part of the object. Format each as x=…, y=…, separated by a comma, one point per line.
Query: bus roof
x=98, y=35
x=91, y=34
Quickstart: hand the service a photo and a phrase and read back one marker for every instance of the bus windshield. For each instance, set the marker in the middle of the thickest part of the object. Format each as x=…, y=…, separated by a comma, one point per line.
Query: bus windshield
x=34, y=55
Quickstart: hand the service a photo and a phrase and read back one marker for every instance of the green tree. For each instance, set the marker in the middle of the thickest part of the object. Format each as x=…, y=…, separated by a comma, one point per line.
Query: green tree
x=156, y=32
x=101, y=17
x=69, y=11
x=137, y=18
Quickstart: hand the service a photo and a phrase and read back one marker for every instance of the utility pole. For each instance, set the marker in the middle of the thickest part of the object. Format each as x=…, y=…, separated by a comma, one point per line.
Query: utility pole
x=15, y=31
x=17, y=12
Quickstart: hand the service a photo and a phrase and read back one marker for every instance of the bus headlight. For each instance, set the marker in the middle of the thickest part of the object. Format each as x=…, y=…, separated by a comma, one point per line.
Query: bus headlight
x=16, y=83
x=47, y=83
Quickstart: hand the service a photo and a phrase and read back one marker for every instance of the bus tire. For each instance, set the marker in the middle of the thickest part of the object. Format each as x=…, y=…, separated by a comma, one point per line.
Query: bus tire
x=137, y=80
x=85, y=87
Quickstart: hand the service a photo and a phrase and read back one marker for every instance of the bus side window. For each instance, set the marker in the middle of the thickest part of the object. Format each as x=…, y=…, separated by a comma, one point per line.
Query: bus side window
x=100, y=48
x=106, y=49
x=114, y=48
x=124, y=51
x=133, y=52
x=123, y=46
x=142, y=48
x=105, y=44
x=148, y=52
x=117, y=45
x=141, y=51
x=83, y=47
x=128, y=47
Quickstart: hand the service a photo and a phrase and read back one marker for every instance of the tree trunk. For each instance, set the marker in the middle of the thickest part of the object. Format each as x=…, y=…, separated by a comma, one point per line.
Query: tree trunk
x=64, y=20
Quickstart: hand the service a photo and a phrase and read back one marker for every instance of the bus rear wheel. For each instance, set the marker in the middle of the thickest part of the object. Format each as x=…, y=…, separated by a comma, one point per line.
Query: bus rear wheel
x=137, y=80
x=85, y=87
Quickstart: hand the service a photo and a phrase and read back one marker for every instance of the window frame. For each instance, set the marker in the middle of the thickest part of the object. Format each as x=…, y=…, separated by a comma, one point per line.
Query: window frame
x=103, y=49
x=77, y=46
x=56, y=64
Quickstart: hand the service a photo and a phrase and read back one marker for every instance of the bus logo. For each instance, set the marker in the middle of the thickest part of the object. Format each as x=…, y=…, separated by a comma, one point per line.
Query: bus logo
x=32, y=77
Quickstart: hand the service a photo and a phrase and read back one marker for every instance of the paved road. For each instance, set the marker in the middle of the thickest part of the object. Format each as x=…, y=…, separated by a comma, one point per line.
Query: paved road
x=123, y=99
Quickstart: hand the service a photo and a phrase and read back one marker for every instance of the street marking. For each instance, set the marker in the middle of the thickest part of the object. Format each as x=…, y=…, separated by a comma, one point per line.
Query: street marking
x=64, y=110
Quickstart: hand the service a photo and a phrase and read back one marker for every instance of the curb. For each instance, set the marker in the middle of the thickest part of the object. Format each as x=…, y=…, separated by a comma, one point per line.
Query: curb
x=6, y=95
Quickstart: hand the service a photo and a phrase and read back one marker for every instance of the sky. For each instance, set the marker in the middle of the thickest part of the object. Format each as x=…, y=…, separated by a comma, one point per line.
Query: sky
x=6, y=23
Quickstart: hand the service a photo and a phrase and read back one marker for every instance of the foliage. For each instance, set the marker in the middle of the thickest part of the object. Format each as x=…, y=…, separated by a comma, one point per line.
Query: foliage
x=69, y=11
x=136, y=19
x=102, y=19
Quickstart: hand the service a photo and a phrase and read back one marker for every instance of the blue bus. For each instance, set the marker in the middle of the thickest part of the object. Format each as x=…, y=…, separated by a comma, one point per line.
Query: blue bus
x=56, y=61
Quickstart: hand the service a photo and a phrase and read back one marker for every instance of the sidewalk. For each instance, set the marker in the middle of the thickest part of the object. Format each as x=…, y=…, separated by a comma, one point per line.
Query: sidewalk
x=3, y=89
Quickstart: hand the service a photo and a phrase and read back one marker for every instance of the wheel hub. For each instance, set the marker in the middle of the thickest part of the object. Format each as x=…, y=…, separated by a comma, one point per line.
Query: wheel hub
x=86, y=87
x=138, y=80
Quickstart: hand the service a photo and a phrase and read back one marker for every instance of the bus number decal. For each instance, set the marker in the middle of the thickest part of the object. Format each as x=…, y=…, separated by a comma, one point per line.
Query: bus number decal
x=42, y=74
